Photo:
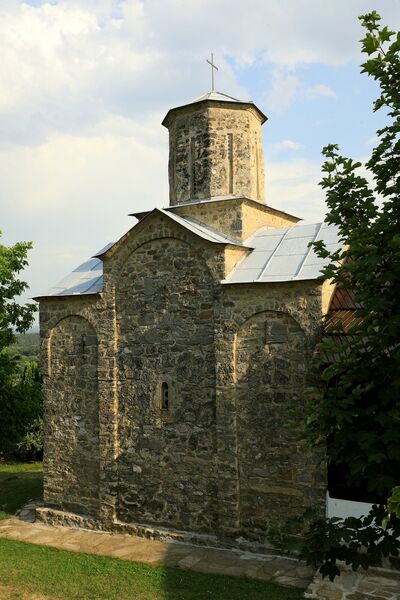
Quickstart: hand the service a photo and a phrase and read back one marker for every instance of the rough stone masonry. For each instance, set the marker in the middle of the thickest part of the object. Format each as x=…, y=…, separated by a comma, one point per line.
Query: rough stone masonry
x=168, y=389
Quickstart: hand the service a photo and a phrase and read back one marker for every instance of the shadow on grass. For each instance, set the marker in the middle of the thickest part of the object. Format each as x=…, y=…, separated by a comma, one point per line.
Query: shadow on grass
x=75, y=576
x=32, y=569
x=19, y=483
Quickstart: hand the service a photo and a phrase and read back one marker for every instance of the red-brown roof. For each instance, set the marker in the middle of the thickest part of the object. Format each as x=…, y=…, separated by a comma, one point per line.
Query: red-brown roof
x=342, y=311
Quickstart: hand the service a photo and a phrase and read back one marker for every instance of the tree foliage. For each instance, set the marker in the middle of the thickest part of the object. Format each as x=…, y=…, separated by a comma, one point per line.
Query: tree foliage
x=356, y=406
x=20, y=393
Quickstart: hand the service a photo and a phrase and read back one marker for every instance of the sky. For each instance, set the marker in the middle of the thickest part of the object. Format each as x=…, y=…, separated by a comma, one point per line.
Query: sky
x=85, y=84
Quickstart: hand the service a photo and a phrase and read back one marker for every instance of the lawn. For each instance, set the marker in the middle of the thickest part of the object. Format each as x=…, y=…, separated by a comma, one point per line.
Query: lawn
x=31, y=572
x=19, y=482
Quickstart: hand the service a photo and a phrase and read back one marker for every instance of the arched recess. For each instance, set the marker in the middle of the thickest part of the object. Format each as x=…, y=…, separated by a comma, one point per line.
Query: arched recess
x=270, y=369
x=164, y=309
x=71, y=470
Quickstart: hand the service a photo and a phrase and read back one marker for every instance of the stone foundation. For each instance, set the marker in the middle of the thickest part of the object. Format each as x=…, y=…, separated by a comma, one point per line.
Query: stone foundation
x=60, y=518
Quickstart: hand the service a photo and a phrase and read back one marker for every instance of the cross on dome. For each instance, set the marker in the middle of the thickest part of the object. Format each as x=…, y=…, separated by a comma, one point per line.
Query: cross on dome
x=213, y=66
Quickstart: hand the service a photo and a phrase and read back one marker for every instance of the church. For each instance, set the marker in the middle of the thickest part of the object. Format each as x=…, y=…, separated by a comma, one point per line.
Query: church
x=173, y=358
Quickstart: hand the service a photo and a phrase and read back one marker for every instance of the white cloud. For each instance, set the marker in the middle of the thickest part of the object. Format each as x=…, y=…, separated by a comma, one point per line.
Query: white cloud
x=283, y=92
x=71, y=195
x=288, y=145
x=288, y=88
x=292, y=186
x=319, y=90
x=69, y=63
x=85, y=83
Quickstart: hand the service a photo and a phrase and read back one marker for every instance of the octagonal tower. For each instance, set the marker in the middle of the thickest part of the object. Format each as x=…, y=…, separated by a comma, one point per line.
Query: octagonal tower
x=215, y=150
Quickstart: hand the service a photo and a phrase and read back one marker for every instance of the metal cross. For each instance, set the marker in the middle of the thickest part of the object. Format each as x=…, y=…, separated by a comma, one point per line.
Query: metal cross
x=211, y=62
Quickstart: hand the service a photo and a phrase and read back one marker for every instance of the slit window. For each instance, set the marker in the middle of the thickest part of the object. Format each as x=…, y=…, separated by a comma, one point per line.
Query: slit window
x=192, y=167
x=164, y=396
x=230, y=163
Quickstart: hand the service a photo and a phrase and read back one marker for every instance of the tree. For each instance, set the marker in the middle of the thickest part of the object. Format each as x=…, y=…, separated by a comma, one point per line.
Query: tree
x=20, y=400
x=356, y=405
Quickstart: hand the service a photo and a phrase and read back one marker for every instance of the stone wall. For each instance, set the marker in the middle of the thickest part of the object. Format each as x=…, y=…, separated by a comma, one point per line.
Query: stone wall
x=72, y=418
x=265, y=336
x=237, y=218
x=220, y=459
x=166, y=466
x=270, y=369
x=215, y=149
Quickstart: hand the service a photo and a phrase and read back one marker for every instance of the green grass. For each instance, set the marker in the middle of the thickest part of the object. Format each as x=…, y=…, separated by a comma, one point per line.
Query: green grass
x=74, y=576
x=19, y=482
x=28, y=569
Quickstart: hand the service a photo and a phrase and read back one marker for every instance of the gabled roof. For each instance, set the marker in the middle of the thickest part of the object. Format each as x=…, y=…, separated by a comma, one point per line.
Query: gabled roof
x=215, y=199
x=204, y=231
x=274, y=255
x=87, y=278
x=284, y=254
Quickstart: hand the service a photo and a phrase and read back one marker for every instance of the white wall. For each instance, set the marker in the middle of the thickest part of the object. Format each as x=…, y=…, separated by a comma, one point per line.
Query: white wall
x=335, y=507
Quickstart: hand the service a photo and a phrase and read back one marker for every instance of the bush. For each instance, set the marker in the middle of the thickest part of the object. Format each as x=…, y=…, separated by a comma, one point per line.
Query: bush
x=21, y=412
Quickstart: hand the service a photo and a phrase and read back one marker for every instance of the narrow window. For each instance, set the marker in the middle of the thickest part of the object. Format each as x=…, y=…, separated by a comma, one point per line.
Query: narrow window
x=164, y=396
x=257, y=169
x=192, y=173
x=230, y=163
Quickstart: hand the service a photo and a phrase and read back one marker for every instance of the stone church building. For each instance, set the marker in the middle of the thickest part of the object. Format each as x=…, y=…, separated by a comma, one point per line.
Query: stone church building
x=173, y=358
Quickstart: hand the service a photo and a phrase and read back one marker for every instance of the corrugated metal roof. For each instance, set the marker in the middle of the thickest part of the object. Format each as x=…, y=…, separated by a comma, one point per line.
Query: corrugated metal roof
x=284, y=254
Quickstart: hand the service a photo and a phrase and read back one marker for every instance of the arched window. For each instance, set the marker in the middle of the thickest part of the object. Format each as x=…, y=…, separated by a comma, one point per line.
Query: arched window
x=164, y=396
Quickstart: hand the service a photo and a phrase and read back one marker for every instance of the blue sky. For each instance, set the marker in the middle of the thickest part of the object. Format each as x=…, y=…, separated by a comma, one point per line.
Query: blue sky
x=86, y=83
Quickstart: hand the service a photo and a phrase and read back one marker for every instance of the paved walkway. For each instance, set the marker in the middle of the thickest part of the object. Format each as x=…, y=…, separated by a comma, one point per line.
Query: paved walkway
x=373, y=585
x=285, y=571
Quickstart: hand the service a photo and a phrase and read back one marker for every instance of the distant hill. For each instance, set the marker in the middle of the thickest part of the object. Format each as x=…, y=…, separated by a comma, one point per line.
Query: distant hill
x=26, y=346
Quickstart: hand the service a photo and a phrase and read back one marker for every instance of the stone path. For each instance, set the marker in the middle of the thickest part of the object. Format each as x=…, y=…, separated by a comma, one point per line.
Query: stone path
x=285, y=571
x=376, y=584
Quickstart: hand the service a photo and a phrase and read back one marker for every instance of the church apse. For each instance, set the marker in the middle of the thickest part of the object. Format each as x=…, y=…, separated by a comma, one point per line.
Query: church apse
x=166, y=424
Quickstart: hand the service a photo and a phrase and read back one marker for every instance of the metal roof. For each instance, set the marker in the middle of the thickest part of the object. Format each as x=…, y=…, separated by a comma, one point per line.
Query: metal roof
x=284, y=254
x=275, y=255
x=85, y=279
x=88, y=277
x=213, y=200
x=214, y=97
x=203, y=231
